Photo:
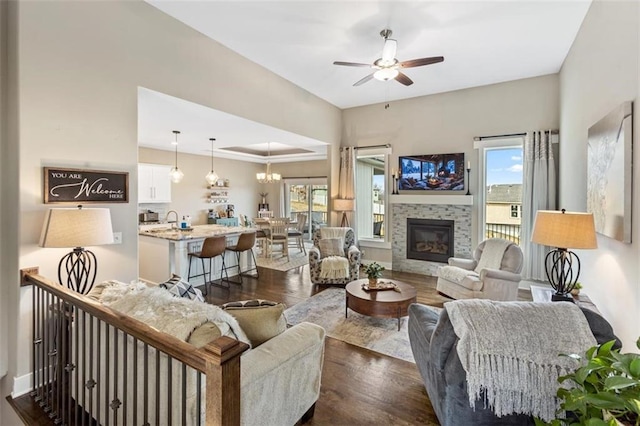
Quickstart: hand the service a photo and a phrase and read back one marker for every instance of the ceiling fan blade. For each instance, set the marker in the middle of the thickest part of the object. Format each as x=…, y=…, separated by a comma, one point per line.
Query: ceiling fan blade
x=402, y=78
x=363, y=80
x=351, y=64
x=389, y=50
x=420, y=62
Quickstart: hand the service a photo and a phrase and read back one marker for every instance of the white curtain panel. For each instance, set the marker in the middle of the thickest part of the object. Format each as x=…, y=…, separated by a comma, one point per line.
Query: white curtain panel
x=538, y=193
x=346, y=188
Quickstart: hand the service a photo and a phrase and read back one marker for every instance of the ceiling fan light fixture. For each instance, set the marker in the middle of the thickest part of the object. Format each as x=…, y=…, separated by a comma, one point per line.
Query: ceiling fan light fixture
x=389, y=50
x=385, y=74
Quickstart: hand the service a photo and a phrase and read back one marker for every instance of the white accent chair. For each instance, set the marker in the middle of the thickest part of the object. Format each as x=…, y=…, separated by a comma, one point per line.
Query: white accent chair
x=462, y=279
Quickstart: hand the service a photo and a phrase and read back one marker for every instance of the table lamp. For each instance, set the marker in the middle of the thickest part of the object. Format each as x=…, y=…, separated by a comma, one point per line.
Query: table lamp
x=563, y=230
x=77, y=228
x=343, y=205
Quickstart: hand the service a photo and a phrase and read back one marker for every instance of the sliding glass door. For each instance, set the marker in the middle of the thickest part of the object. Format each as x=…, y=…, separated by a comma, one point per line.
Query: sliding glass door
x=309, y=196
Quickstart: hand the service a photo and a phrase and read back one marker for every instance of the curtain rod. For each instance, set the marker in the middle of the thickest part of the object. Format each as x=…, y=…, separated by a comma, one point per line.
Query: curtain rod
x=511, y=135
x=303, y=177
x=386, y=145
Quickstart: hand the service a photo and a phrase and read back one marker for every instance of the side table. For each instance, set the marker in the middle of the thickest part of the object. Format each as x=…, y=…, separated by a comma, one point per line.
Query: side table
x=543, y=294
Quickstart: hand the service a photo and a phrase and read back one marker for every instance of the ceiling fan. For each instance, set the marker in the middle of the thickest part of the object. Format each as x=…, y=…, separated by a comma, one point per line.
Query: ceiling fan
x=388, y=67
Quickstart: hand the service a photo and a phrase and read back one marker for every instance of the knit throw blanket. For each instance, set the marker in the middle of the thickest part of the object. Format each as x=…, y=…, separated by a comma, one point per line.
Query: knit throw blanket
x=510, y=350
x=334, y=267
x=333, y=232
x=492, y=254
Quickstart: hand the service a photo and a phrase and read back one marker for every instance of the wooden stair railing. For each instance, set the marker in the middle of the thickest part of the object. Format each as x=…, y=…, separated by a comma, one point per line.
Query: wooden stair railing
x=60, y=360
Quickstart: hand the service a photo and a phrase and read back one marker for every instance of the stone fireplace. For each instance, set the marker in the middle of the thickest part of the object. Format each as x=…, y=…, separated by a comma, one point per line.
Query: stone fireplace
x=459, y=243
x=430, y=239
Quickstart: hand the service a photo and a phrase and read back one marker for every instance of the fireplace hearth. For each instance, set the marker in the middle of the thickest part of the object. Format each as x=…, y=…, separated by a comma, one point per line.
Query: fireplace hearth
x=430, y=239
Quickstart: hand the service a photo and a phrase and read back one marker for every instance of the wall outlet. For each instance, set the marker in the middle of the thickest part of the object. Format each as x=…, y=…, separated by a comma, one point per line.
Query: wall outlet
x=117, y=238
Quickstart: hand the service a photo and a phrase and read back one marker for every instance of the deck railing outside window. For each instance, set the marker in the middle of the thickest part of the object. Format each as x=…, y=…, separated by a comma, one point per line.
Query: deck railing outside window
x=505, y=231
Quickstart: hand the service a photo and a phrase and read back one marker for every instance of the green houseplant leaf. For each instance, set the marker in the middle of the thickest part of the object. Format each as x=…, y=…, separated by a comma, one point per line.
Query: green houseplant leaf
x=603, y=391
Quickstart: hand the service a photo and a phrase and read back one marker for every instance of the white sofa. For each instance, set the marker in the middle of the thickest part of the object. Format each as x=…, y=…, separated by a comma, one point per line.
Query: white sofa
x=280, y=378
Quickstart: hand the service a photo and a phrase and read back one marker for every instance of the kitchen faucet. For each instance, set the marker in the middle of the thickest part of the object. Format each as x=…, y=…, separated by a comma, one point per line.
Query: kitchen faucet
x=167, y=217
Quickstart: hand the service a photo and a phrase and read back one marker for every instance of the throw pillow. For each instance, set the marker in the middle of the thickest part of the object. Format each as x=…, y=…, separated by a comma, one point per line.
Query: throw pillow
x=204, y=334
x=175, y=279
x=331, y=247
x=260, y=319
x=180, y=288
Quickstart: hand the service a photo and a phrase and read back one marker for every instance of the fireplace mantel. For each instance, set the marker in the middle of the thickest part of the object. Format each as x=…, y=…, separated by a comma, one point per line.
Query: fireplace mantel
x=452, y=199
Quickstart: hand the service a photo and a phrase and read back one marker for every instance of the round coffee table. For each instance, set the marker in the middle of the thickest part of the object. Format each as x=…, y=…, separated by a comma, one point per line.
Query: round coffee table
x=380, y=303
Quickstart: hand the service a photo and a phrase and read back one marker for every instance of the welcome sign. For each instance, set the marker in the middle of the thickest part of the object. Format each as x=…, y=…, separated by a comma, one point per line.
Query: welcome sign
x=85, y=186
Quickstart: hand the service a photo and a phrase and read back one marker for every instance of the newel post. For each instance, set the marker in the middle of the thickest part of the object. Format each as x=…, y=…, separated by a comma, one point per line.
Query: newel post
x=223, y=381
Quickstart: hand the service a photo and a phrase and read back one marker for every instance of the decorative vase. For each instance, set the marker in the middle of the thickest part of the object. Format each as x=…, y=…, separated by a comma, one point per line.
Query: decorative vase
x=575, y=292
x=373, y=282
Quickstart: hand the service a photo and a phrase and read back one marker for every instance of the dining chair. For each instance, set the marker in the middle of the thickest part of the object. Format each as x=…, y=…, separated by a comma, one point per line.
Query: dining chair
x=278, y=235
x=296, y=233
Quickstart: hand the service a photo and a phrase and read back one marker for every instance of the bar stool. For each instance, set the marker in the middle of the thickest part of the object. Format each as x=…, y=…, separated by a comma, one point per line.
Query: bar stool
x=245, y=242
x=211, y=247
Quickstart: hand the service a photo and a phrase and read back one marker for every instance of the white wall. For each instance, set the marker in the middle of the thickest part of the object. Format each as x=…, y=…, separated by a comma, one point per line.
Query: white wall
x=188, y=197
x=80, y=66
x=600, y=72
x=448, y=122
x=9, y=205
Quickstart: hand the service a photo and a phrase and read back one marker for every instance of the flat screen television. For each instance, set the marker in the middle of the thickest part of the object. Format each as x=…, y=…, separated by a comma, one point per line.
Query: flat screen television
x=434, y=172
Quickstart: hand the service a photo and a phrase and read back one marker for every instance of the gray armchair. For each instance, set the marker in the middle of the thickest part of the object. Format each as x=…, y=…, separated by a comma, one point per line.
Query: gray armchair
x=352, y=253
x=465, y=279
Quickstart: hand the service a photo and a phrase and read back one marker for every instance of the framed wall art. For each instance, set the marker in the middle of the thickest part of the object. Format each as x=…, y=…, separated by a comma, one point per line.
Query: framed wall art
x=82, y=186
x=609, y=173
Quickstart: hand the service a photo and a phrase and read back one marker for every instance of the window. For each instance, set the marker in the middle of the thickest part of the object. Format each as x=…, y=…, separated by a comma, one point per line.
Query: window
x=371, y=193
x=501, y=176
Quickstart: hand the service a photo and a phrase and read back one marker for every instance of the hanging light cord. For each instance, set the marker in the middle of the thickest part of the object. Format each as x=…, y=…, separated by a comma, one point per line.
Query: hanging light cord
x=212, y=140
x=176, y=132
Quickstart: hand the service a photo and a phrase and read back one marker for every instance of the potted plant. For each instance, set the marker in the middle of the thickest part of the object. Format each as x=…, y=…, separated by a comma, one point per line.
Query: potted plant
x=373, y=271
x=604, y=391
x=576, y=289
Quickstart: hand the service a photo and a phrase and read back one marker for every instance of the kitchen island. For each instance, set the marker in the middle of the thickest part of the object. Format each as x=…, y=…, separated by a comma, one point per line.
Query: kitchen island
x=164, y=251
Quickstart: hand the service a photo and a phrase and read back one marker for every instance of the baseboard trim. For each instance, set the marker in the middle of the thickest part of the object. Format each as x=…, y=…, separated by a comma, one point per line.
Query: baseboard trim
x=21, y=385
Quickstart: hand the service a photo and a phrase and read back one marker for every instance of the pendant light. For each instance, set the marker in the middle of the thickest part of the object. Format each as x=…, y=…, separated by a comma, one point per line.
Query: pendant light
x=212, y=176
x=268, y=177
x=175, y=173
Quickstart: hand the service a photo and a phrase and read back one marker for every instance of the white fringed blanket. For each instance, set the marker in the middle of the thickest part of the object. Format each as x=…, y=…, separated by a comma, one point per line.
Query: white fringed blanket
x=492, y=254
x=334, y=267
x=510, y=351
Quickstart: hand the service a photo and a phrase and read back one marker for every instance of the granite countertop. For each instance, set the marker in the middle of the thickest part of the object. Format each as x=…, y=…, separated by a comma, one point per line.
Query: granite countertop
x=197, y=231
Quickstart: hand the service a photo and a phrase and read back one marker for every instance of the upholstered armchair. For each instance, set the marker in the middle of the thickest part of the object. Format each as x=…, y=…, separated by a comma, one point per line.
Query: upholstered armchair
x=344, y=247
x=493, y=273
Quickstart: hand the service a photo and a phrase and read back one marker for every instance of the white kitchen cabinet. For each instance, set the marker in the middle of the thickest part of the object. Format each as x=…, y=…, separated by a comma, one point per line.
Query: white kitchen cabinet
x=154, y=184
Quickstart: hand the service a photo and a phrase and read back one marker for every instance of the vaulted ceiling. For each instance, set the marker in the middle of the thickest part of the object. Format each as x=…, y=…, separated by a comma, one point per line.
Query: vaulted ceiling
x=482, y=42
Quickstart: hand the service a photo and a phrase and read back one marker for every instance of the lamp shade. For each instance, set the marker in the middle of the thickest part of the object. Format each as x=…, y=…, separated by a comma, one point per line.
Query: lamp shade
x=76, y=227
x=568, y=230
x=343, y=205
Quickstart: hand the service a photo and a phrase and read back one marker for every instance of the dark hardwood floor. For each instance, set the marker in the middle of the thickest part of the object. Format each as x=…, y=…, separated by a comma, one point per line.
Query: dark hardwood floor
x=359, y=386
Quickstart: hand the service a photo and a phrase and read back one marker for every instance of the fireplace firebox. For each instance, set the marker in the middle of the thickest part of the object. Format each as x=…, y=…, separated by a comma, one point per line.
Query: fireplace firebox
x=430, y=239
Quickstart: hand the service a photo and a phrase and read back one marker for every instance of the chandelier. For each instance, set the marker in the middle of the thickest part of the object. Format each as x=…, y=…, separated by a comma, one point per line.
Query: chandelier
x=268, y=177
x=212, y=176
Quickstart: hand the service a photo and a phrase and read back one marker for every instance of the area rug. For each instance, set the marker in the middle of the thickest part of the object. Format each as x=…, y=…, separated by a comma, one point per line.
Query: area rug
x=280, y=263
x=378, y=334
